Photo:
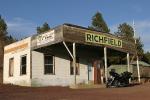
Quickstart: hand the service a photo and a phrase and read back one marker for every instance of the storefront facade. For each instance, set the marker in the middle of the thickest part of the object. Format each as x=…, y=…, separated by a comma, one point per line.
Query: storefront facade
x=65, y=55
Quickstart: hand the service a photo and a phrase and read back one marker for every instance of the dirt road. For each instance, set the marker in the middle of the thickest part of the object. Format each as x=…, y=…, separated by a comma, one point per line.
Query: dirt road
x=140, y=92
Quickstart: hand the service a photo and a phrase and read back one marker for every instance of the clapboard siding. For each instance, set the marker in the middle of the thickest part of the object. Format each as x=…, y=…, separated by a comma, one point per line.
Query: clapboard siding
x=17, y=79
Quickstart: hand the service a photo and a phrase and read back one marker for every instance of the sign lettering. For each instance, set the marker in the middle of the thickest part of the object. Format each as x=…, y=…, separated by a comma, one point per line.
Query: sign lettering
x=102, y=39
x=45, y=38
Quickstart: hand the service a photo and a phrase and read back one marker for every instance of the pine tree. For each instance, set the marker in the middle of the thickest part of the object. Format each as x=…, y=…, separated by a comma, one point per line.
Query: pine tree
x=126, y=31
x=146, y=57
x=139, y=47
x=3, y=31
x=44, y=28
x=4, y=39
x=98, y=23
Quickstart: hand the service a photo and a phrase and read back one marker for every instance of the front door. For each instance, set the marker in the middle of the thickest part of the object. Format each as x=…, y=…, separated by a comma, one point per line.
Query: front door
x=98, y=72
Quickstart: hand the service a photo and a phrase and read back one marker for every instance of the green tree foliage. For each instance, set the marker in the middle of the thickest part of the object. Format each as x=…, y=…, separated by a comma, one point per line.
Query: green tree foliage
x=139, y=46
x=4, y=39
x=126, y=31
x=146, y=57
x=98, y=23
x=45, y=27
x=3, y=31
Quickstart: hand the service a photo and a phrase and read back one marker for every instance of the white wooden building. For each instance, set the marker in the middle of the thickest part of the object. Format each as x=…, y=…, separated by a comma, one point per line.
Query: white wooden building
x=65, y=55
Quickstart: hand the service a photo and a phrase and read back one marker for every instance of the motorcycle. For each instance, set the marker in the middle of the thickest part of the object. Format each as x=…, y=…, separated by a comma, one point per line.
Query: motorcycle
x=117, y=80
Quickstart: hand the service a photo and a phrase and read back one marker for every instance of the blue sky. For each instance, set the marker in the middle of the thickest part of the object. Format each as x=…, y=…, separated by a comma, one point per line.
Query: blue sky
x=23, y=16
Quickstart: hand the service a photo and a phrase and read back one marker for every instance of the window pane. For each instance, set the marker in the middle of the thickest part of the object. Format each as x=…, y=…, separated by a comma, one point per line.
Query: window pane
x=23, y=60
x=48, y=59
x=48, y=64
x=48, y=69
x=23, y=69
x=23, y=65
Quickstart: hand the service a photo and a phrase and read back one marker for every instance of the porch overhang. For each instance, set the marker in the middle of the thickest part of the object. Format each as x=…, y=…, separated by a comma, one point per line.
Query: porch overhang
x=77, y=34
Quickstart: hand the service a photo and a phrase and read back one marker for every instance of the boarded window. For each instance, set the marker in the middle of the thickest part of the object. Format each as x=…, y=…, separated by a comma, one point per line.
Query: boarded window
x=11, y=66
x=23, y=66
x=48, y=64
x=77, y=67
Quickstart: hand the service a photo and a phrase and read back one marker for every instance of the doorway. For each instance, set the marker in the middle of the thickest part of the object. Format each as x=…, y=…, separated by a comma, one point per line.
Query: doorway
x=98, y=72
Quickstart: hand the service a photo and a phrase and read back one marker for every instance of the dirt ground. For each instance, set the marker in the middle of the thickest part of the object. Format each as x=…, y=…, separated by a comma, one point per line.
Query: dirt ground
x=138, y=92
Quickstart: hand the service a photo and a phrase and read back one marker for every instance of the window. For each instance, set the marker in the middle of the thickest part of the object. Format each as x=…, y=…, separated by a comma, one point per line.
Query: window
x=11, y=66
x=72, y=68
x=48, y=64
x=23, y=65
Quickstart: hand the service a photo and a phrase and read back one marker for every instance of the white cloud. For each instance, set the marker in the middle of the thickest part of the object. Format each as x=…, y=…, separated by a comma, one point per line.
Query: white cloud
x=20, y=28
x=142, y=30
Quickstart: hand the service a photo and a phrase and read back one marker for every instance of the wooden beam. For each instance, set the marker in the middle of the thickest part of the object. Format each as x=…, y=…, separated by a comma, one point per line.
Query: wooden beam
x=132, y=59
x=128, y=62
x=138, y=69
x=68, y=50
x=105, y=60
x=74, y=62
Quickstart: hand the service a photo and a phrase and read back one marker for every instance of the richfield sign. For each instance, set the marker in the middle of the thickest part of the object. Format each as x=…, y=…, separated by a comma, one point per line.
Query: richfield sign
x=45, y=38
x=102, y=39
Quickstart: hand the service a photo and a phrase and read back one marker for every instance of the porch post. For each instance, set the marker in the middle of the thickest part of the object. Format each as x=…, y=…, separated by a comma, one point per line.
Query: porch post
x=128, y=62
x=138, y=69
x=74, y=62
x=105, y=60
x=73, y=57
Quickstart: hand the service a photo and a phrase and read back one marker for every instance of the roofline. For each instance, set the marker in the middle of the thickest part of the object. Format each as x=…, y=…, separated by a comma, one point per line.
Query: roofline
x=77, y=26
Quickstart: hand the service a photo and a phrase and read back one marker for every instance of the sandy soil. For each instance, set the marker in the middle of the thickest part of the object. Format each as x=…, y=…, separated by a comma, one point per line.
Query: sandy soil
x=138, y=92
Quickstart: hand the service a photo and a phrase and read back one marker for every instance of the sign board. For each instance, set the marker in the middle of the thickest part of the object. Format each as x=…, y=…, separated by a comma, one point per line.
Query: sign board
x=103, y=39
x=45, y=38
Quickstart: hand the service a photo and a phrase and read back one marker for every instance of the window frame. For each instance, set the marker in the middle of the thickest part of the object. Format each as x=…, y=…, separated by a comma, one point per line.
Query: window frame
x=23, y=65
x=53, y=65
x=11, y=67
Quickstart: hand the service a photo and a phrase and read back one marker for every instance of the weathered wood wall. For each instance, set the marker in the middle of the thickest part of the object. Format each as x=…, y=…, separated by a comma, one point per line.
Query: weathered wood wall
x=57, y=38
x=76, y=34
x=73, y=33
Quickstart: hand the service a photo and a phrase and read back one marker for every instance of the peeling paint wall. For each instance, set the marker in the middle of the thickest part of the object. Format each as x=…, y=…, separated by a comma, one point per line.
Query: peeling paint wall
x=62, y=75
x=16, y=50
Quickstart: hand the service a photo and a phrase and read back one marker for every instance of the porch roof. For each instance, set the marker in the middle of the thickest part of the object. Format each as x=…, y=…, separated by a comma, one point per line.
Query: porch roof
x=78, y=34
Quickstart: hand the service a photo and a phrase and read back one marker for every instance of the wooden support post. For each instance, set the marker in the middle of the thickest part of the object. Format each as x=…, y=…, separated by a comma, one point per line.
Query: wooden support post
x=138, y=69
x=74, y=62
x=73, y=56
x=68, y=50
x=128, y=62
x=105, y=60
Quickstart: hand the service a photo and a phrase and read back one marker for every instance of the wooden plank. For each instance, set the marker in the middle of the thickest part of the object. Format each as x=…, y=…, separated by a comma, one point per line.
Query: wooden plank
x=74, y=34
x=22, y=46
x=58, y=31
x=105, y=61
